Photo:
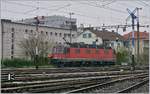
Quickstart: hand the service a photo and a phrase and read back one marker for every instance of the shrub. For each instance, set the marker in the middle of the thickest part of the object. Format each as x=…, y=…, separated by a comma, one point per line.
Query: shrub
x=143, y=59
x=122, y=56
x=16, y=62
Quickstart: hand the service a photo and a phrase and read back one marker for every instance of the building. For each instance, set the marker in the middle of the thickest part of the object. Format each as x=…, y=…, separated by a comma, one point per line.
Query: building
x=14, y=32
x=143, y=41
x=103, y=37
x=53, y=21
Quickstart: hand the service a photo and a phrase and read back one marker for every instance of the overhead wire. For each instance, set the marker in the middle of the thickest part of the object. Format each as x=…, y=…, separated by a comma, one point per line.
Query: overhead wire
x=145, y=4
x=57, y=9
x=21, y=4
x=50, y=9
x=112, y=9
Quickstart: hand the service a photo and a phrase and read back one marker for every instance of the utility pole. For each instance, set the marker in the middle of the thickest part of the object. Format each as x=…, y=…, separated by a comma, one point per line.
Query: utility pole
x=138, y=39
x=70, y=27
x=36, y=48
x=133, y=17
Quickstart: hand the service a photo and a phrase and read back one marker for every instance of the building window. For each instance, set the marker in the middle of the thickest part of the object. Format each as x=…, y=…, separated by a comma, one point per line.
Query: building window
x=12, y=34
x=60, y=34
x=26, y=31
x=41, y=32
x=12, y=57
x=112, y=44
x=55, y=34
x=89, y=35
x=13, y=29
x=68, y=35
x=77, y=51
x=12, y=51
x=65, y=35
x=31, y=31
x=12, y=47
x=84, y=35
x=12, y=40
x=46, y=33
x=26, y=53
x=51, y=33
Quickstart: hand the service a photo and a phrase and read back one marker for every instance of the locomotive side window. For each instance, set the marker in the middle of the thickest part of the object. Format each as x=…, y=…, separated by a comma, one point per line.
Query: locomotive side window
x=106, y=51
x=96, y=51
x=77, y=51
x=88, y=51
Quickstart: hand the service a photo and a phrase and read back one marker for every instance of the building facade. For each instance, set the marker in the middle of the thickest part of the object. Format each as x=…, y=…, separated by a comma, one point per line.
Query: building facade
x=13, y=33
x=104, y=37
x=143, y=41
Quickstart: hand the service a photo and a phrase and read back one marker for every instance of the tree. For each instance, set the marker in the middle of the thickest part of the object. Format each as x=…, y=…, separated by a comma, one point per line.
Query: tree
x=123, y=56
x=36, y=46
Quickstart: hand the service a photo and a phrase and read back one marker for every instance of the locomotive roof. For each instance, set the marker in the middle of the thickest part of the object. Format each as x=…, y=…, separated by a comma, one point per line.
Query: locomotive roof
x=81, y=45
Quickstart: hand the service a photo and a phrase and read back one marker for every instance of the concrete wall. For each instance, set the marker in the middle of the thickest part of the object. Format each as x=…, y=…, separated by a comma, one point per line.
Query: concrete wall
x=21, y=31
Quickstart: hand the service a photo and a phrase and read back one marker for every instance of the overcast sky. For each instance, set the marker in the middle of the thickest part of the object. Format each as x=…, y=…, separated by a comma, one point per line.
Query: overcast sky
x=87, y=12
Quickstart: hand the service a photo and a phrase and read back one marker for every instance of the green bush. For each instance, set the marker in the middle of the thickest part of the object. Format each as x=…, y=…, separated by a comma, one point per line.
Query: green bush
x=122, y=56
x=16, y=62
x=143, y=59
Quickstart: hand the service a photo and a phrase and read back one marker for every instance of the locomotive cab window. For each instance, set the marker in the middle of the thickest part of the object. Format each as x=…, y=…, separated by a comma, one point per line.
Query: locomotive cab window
x=66, y=50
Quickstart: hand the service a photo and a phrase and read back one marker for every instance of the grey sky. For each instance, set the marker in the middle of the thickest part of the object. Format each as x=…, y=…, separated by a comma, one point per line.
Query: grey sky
x=94, y=12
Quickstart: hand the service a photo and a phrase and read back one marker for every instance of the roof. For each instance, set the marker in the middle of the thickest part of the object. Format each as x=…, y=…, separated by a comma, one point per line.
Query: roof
x=105, y=34
x=9, y=21
x=142, y=35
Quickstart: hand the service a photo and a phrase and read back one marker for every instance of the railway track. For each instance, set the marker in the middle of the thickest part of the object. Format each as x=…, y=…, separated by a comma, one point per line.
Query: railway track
x=114, y=86
x=66, y=70
x=134, y=86
x=48, y=76
x=61, y=85
x=57, y=80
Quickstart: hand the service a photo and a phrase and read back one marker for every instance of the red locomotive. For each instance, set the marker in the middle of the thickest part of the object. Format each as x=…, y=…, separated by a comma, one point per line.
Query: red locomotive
x=82, y=55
